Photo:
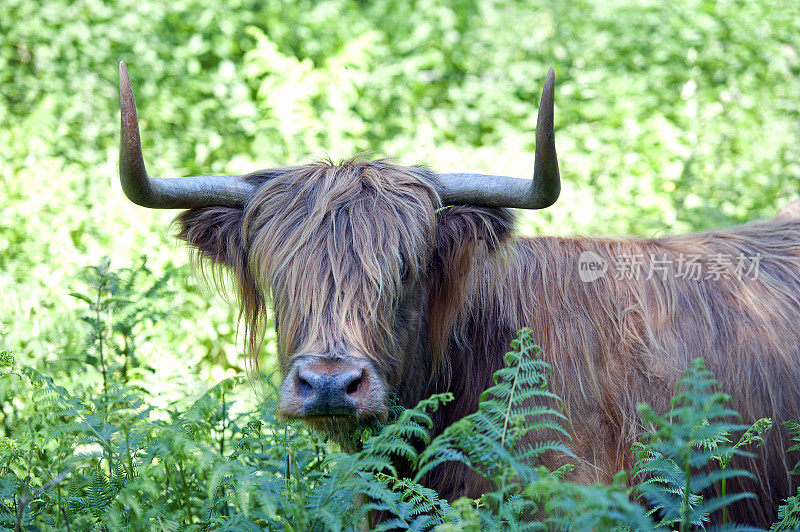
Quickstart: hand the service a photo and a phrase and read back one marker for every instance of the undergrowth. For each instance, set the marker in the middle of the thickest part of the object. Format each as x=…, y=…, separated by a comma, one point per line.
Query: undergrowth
x=104, y=458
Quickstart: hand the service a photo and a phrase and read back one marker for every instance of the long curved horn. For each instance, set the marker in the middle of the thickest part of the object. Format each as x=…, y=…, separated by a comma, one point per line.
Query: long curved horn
x=503, y=191
x=179, y=193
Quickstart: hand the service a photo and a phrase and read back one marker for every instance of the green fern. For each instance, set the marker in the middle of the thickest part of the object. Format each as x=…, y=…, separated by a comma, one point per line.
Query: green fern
x=516, y=405
x=492, y=441
x=788, y=514
x=794, y=429
x=674, y=460
x=120, y=303
x=372, y=476
x=572, y=506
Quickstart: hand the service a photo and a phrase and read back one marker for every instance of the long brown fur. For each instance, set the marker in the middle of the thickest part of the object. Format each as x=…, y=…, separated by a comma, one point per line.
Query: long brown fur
x=361, y=256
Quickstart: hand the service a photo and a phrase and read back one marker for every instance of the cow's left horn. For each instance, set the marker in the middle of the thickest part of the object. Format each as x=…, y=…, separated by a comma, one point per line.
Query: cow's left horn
x=503, y=191
x=179, y=193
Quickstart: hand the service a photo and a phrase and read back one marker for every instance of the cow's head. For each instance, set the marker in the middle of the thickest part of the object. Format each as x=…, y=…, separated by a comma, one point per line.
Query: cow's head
x=344, y=253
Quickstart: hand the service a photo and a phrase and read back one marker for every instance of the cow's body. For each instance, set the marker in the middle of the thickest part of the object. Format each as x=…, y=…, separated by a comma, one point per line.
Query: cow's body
x=614, y=343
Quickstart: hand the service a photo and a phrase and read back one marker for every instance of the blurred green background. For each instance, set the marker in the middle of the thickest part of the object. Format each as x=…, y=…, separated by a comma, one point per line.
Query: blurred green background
x=670, y=117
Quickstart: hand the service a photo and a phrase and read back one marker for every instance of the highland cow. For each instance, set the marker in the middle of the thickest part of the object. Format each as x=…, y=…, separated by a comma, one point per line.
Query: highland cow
x=390, y=281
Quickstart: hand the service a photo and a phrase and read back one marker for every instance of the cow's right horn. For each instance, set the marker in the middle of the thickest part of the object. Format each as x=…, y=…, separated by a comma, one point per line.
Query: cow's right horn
x=504, y=191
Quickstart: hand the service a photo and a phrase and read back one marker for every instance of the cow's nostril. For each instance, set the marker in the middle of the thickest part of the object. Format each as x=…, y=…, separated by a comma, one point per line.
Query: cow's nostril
x=354, y=385
x=304, y=388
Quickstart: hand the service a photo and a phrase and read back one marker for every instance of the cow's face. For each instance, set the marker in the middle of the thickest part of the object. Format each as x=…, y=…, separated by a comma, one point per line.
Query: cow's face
x=341, y=253
x=342, y=250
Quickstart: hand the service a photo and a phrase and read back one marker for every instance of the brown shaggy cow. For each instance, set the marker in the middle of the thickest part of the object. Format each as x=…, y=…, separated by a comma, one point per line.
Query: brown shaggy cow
x=378, y=289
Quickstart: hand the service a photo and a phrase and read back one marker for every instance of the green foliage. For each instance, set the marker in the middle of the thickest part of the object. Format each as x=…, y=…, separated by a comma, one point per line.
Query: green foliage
x=492, y=441
x=118, y=308
x=788, y=514
x=104, y=459
x=371, y=476
x=595, y=507
x=794, y=429
x=670, y=116
x=517, y=426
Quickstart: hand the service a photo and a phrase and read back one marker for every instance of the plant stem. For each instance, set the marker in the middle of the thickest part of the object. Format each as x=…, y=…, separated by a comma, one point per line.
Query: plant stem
x=23, y=502
x=66, y=519
x=685, y=524
x=724, y=508
x=101, y=337
x=128, y=452
x=190, y=517
x=58, y=502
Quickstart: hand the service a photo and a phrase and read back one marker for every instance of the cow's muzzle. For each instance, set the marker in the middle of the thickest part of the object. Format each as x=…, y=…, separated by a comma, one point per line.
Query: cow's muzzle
x=331, y=386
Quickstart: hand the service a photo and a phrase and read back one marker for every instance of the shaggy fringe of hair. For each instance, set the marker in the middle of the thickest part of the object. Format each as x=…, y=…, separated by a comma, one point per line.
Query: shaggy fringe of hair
x=307, y=242
x=218, y=259
x=466, y=236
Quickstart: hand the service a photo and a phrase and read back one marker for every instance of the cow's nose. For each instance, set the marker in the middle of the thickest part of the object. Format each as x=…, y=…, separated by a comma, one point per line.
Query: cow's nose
x=327, y=391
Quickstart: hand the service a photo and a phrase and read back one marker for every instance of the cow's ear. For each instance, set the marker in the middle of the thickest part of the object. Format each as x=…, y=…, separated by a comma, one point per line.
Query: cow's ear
x=468, y=240
x=216, y=234
x=462, y=231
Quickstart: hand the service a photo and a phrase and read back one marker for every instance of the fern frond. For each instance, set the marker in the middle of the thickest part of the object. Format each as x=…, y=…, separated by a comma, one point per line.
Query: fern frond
x=517, y=405
x=674, y=459
x=788, y=514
